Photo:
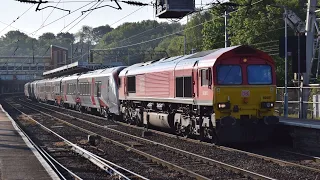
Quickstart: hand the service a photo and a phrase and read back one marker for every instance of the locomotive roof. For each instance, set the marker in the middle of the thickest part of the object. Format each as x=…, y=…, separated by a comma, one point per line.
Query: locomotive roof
x=204, y=59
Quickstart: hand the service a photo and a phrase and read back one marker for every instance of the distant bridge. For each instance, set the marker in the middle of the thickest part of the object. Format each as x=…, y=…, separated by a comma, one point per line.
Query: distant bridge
x=15, y=71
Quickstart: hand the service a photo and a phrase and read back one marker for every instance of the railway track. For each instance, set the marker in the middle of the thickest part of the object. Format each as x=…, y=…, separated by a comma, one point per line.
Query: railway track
x=67, y=149
x=284, y=154
x=262, y=163
x=191, y=164
x=63, y=172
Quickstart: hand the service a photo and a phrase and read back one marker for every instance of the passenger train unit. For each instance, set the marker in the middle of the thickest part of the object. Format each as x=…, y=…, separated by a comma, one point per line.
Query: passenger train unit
x=226, y=95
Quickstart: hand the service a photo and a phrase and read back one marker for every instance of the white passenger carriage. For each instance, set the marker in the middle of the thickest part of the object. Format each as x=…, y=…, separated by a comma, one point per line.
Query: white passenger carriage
x=26, y=90
x=98, y=90
x=69, y=91
x=49, y=90
x=57, y=90
x=41, y=94
x=34, y=91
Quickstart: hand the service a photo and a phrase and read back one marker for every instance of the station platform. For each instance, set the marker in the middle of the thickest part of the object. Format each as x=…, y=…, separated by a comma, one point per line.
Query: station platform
x=307, y=123
x=18, y=158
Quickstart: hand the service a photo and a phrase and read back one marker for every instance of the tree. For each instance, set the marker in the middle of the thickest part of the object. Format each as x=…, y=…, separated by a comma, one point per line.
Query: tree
x=14, y=36
x=47, y=37
x=213, y=31
x=172, y=45
x=100, y=31
x=194, y=29
x=66, y=37
x=85, y=34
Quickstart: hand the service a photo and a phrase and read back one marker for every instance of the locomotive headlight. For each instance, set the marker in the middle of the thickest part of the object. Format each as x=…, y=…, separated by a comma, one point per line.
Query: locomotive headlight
x=267, y=104
x=225, y=105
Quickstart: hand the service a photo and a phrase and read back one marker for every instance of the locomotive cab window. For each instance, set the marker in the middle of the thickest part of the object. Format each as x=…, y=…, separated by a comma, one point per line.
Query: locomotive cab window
x=259, y=74
x=229, y=74
x=205, y=75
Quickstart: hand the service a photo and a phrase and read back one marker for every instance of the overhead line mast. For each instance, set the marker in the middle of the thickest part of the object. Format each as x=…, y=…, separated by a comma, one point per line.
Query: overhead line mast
x=310, y=21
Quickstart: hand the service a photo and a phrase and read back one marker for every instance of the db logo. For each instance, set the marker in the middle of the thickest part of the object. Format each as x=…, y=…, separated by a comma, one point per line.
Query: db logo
x=245, y=93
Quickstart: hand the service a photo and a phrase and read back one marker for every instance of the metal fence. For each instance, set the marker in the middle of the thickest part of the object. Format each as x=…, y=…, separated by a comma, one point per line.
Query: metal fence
x=294, y=99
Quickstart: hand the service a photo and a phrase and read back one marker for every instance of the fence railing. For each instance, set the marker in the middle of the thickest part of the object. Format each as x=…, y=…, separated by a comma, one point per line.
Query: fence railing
x=294, y=94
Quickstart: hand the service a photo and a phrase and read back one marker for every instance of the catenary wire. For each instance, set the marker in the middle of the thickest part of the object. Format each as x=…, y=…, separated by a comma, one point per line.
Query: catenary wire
x=135, y=44
x=17, y=18
x=65, y=16
x=96, y=4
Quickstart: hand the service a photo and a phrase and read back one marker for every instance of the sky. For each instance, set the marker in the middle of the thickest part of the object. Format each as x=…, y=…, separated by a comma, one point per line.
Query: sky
x=30, y=22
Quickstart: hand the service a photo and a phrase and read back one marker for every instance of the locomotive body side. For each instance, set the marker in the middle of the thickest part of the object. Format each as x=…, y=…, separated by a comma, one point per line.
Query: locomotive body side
x=182, y=94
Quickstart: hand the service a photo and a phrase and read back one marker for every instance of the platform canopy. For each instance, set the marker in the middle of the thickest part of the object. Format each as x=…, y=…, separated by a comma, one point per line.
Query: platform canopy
x=77, y=67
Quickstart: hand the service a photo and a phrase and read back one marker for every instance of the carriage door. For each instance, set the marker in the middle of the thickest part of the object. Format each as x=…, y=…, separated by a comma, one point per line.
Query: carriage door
x=195, y=80
x=108, y=89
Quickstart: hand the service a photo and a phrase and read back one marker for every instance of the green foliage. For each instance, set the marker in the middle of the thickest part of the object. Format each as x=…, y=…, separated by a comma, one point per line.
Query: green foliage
x=100, y=31
x=193, y=30
x=213, y=31
x=173, y=46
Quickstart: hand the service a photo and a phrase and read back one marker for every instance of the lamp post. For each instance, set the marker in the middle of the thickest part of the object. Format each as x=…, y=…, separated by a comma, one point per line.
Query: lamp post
x=226, y=37
x=286, y=64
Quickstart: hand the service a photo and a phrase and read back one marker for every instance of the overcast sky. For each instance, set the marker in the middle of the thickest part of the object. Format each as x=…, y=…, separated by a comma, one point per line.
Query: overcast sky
x=31, y=21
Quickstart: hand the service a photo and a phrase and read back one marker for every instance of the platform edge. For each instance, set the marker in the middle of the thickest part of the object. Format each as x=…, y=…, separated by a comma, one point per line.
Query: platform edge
x=45, y=165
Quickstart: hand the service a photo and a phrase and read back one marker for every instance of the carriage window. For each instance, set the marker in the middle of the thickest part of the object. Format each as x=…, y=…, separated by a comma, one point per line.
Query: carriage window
x=71, y=89
x=259, y=74
x=84, y=89
x=229, y=74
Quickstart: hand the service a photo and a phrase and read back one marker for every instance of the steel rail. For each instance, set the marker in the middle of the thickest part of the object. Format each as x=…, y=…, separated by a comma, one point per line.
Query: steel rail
x=182, y=152
x=316, y=159
x=86, y=154
x=146, y=155
x=278, y=161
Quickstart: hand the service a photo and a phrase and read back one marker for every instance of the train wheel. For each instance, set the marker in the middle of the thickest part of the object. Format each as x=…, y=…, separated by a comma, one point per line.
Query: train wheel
x=127, y=116
x=79, y=108
x=105, y=113
x=209, y=135
x=214, y=137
